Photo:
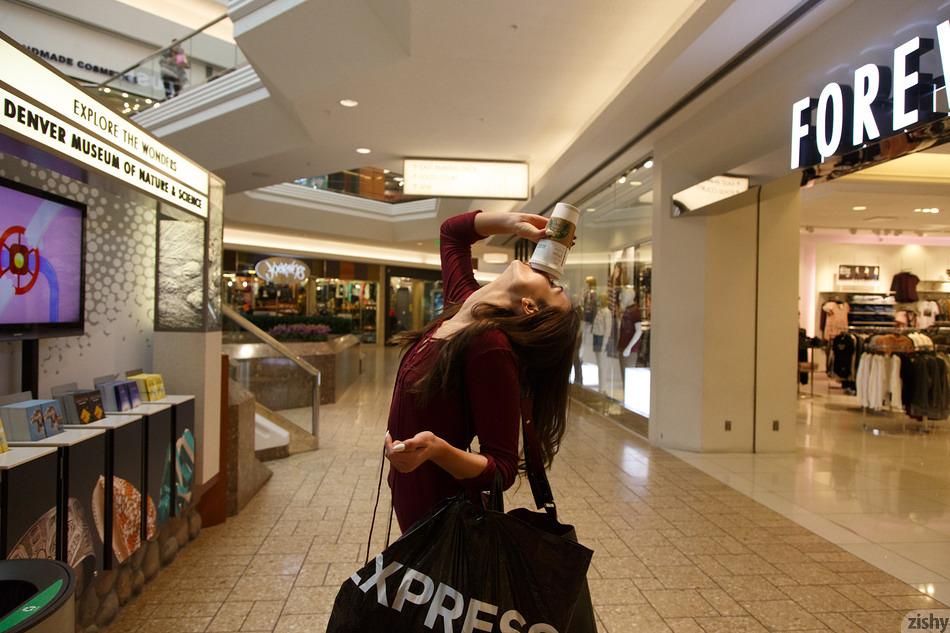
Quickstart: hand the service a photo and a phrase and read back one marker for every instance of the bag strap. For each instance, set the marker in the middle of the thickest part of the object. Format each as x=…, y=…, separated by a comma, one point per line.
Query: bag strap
x=534, y=463
x=372, y=525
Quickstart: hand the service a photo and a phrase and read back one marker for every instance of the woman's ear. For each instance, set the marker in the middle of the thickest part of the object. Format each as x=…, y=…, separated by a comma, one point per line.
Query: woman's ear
x=528, y=305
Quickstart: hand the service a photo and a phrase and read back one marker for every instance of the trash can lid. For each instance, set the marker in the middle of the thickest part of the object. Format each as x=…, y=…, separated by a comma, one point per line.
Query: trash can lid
x=54, y=582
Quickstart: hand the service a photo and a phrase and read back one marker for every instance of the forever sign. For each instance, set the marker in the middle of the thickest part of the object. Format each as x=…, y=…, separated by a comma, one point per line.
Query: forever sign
x=881, y=102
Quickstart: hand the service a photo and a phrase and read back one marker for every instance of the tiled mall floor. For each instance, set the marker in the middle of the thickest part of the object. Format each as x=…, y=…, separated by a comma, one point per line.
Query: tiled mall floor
x=871, y=483
x=676, y=549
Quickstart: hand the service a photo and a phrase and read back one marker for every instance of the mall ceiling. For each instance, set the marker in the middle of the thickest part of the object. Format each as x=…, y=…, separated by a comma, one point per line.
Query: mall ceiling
x=886, y=198
x=486, y=80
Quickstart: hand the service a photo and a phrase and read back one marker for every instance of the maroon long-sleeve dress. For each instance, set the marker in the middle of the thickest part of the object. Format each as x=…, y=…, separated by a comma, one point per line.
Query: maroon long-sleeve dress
x=491, y=395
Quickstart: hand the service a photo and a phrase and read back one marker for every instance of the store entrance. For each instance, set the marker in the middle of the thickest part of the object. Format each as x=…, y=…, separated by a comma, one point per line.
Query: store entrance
x=873, y=438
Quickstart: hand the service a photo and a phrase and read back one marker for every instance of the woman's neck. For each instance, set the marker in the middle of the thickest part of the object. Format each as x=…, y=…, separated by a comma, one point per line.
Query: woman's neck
x=463, y=318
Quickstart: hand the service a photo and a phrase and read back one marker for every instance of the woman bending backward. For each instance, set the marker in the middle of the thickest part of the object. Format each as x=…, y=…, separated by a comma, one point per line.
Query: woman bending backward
x=465, y=373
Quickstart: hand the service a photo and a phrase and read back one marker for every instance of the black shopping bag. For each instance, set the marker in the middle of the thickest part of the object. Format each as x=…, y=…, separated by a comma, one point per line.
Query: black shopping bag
x=464, y=568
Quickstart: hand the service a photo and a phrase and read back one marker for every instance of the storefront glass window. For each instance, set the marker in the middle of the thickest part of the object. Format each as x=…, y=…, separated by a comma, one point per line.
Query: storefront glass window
x=413, y=303
x=348, y=305
x=609, y=278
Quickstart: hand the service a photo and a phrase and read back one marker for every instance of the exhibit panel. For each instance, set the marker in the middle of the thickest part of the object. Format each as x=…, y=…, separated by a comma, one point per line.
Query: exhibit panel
x=82, y=470
x=28, y=492
x=157, y=467
x=184, y=450
x=120, y=488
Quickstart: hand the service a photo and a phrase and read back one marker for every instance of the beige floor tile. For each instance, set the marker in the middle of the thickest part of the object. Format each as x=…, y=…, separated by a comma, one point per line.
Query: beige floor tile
x=263, y=615
x=615, y=591
x=683, y=577
x=310, y=600
x=255, y=588
x=625, y=567
x=631, y=619
x=744, y=624
x=809, y=573
x=323, y=552
x=286, y=545
x=750, y=588
x=274, y=564
x=311, y=623
x=820, y=599
x=230, y=617
x=684, y=625
x=722, y=602
x=174, y=625
x=745, y=564
x=782, y=615
x=680, y=603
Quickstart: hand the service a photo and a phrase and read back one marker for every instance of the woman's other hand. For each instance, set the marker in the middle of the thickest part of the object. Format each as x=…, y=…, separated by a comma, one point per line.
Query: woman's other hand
x=407, y=455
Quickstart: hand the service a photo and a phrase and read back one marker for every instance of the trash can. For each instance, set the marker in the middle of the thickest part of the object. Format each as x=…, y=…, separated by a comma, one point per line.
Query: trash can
x=36, y=596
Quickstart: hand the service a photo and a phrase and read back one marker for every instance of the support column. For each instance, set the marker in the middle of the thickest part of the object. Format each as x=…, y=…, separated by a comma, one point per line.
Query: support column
x=723, y=332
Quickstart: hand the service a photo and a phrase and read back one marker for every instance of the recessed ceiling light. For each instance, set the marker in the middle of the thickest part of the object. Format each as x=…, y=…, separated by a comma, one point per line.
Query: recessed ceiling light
x=107, y=90
x=385, y=171
x=363, y=150
x=591, y=209
x=349, y=103
x=622, y=180
x=648, y=164
x=859, y=208
x=148, y=101
x=125, y=95
x=635, y=183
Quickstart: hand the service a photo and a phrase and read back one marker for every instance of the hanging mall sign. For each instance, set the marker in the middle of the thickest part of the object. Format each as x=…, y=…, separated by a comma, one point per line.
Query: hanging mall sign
x=450, y=178
x=882, y=101
x=40, y=105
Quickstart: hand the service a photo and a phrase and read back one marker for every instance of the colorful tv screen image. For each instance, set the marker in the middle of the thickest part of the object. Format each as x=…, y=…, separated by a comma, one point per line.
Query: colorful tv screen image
x=40, y=259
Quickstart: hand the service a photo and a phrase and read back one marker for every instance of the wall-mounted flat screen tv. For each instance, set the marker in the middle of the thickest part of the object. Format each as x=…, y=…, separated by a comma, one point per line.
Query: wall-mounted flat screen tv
x=42, y=248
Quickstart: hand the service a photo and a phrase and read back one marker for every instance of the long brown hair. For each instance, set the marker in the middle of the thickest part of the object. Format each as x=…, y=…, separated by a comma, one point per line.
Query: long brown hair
x=544, y=342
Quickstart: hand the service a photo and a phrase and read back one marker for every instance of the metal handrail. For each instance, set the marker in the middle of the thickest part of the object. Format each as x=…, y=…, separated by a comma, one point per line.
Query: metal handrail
x=160, y=51
x=284, y=351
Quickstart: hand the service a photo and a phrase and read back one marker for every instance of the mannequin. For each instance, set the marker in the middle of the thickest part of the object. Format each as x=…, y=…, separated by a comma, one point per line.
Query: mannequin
x=603, y=322
x=631, y=331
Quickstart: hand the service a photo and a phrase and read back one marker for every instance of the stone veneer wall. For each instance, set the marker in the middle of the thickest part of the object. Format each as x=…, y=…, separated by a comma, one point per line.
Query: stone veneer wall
x=98, y=603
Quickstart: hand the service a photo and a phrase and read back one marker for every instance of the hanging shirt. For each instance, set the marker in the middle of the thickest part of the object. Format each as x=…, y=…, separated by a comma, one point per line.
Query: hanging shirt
x=904, y=286
x=836, y=319
x=927, y=312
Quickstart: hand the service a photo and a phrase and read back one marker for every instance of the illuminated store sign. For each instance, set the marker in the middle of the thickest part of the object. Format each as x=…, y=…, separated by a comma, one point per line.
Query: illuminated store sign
x=282, y=271
x=881, y=101
x=465, y=179
x=39, y=104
